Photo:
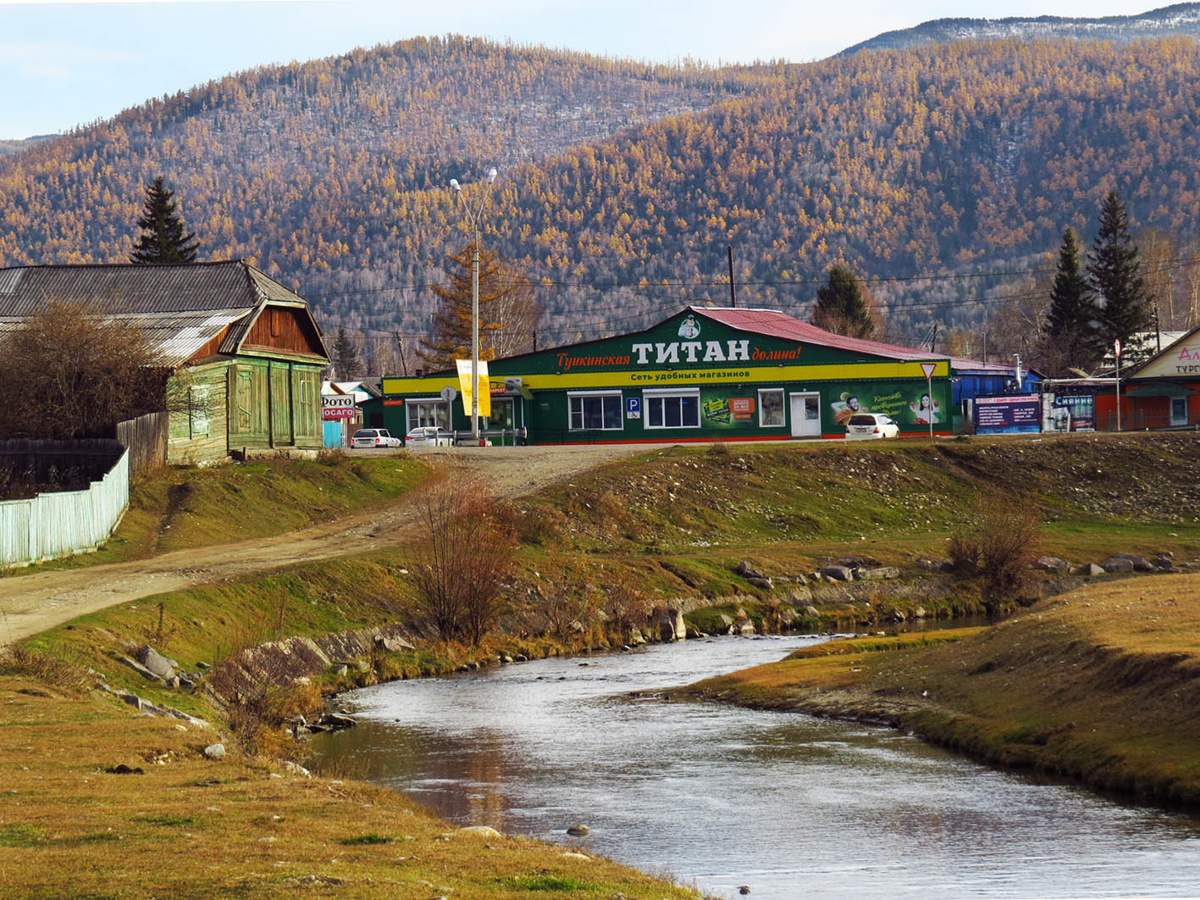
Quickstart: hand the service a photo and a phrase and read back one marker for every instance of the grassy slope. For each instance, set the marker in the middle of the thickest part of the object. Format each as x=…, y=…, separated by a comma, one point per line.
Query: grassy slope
x=1100, y=685
x=895, y=500
x=180, y=508
x=193, y=827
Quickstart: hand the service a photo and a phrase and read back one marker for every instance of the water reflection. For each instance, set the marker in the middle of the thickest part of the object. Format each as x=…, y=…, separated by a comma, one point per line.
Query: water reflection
x=787, y=804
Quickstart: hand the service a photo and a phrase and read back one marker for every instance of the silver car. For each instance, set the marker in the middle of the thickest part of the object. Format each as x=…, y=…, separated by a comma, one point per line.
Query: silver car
x=429, y=436
x=372, y=438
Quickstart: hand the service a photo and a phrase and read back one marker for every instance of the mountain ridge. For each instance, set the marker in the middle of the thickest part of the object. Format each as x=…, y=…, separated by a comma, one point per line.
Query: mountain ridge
x=1179, y=18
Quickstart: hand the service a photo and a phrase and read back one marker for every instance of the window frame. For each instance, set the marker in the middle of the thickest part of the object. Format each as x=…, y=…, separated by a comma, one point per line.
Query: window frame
x=648, y=398
x=411, y=406
x=583, y=395
x=782, y=407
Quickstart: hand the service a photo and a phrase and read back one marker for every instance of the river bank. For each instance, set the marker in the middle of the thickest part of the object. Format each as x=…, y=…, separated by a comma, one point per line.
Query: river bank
x=1098, y=685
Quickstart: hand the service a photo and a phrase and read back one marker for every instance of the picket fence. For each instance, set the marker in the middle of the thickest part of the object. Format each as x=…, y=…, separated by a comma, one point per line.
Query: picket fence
x=59, y=524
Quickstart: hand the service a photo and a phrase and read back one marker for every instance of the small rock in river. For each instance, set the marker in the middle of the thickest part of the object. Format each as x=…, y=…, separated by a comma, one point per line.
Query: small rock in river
x=579, y=831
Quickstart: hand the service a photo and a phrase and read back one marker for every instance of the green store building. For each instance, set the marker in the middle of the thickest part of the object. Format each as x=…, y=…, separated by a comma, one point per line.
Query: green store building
x=704, y=374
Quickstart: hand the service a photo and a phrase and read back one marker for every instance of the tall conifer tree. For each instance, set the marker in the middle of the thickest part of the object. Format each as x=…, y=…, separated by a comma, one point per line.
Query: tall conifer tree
x=1116, y=275
x=345, y=355
x=452, y=322
x=163, y=240
x=841, y=306
x=1071, y=320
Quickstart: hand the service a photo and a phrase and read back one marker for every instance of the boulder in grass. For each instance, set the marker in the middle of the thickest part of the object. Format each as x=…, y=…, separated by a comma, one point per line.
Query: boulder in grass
x=1116, y=565
x=1053, y=564
x=837, y=573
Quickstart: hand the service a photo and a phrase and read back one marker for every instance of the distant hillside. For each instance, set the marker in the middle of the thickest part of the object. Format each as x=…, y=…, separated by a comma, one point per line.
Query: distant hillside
x=1180, y=19
x=622, y=184
x=8, y=146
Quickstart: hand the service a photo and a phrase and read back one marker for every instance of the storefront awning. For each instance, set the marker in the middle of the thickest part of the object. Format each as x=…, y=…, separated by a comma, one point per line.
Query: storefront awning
x=1162, y=389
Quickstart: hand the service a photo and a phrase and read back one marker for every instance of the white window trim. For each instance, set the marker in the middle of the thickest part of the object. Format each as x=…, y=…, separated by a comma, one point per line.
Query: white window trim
x=651, y=393
x=783, y=409
x=601, y=393
x=408, y=426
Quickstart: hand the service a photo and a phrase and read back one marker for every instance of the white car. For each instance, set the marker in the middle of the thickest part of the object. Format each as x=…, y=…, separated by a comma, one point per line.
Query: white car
x=429, y=436
x=870, y=426
x=366, y=438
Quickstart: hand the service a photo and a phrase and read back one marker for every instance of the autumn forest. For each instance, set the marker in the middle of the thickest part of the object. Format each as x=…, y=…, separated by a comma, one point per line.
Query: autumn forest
x=943, y=176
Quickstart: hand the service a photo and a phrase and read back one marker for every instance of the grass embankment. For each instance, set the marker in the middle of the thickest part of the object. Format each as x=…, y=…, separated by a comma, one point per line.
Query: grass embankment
x=182, y=825
x=183, y=508
x=1100, y=685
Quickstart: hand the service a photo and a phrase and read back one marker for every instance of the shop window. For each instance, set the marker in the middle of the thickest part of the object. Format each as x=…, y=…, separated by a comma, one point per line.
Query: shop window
x=771, y=412
x=595, y=412
x=423, y=413
x=675, y=409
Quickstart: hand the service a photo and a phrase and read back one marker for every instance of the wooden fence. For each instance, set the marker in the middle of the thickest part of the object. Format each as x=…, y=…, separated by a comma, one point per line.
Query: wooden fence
x=50, y=525
x=146, y=439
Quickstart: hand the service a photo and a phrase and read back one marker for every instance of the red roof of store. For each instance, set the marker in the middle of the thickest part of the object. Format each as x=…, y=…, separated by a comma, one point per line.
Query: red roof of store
x=773, y=323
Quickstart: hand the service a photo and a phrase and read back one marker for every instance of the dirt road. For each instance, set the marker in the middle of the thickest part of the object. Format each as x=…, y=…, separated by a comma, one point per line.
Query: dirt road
x=35, y=602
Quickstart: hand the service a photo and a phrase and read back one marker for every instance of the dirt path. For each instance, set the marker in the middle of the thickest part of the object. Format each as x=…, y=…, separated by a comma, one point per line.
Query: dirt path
x=32, y=603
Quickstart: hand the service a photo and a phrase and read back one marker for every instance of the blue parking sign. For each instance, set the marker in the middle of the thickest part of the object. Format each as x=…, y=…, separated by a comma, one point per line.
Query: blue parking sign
x=633, y=407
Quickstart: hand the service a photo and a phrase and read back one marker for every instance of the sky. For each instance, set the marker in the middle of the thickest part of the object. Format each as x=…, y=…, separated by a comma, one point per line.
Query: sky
x=66, y=64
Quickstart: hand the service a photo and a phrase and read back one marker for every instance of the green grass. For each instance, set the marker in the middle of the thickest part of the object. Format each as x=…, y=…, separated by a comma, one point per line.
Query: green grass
x=366, y=840
x=19, y=836
x=547, y=883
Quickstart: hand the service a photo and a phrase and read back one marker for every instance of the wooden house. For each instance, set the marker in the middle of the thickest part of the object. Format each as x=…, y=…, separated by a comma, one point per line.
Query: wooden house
x=242, y=352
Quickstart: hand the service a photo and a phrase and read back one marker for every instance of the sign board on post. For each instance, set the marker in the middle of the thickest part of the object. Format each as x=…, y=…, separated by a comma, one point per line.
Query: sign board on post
x=337, y=406
x=633, y=407
x=464, y=383
x=929, y=368
x=1000, y=415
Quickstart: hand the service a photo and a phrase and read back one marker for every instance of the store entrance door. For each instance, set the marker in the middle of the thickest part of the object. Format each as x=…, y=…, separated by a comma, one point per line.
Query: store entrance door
x=502, y=417
x=806, y=415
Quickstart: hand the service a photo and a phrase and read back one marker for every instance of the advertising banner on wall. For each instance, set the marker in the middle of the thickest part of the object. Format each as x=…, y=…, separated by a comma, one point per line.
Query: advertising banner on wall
x=464, y=385
x=1008, y=415
x=908, y=404
x=1071, y=412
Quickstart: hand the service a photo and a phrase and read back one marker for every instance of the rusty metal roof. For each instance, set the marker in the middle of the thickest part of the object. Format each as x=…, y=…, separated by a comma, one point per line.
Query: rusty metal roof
x=181, y=308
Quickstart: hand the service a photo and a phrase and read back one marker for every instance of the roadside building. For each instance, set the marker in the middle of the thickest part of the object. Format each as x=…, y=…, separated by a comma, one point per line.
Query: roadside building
x=241, y=354
x=988, y=396
x=703, y=374
x=342, y=404
x=1162, y=392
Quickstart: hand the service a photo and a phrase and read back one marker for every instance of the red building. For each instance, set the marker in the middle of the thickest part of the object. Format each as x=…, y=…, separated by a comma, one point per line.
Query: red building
x=1162, y=392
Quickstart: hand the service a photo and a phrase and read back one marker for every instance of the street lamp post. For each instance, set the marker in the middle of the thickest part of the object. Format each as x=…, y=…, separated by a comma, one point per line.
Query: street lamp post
x=474, y=217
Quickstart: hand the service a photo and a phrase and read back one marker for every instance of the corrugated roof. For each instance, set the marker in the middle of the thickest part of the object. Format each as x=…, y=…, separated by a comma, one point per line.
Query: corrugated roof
x=181, y=307
x=140, y=289
x=773, y=323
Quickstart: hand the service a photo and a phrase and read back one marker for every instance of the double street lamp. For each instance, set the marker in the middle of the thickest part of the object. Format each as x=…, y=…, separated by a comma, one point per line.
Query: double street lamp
x=474, y=216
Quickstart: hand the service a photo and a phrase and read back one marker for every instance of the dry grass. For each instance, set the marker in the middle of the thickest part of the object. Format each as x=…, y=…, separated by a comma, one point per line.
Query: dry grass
x=1100, y=685
x=192, y=827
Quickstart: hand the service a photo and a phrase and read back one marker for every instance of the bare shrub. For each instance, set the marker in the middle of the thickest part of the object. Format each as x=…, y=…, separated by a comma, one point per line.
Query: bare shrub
x=87, y=373
x=538, y=525
x=461, y=573
x=625, y=607
x=1002, y=547
x=46, y=668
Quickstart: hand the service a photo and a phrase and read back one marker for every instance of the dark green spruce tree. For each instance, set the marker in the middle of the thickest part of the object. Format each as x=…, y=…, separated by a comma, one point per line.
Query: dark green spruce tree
x=842, y=307
x=1115, y=275
x=1071, y=322
x=164, y=240
x=345, y=355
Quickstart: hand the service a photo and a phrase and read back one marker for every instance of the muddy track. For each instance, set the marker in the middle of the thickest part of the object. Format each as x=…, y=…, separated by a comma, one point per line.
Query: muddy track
x=32, y=603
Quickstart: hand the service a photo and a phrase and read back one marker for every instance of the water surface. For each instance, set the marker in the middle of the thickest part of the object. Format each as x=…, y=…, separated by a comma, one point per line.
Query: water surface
x=720, y=797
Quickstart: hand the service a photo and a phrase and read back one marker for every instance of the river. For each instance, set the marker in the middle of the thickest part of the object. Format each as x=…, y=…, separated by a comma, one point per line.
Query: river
x=719, y=797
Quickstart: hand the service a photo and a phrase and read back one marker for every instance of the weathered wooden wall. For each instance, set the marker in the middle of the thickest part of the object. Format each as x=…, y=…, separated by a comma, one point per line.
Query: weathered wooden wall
x=59, y=524
x=146, y=440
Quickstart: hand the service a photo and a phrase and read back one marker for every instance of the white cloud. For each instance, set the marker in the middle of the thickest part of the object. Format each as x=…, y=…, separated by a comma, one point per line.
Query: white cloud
x=43, y=72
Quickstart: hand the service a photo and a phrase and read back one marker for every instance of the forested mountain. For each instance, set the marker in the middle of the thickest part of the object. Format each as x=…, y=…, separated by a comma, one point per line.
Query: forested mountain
x=1180, y=19
x=623, y=184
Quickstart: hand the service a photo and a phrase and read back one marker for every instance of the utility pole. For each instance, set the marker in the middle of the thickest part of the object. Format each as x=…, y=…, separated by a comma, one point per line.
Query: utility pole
x=474, y=218
x=400, y=347
x=732, y=295
x=933, y=340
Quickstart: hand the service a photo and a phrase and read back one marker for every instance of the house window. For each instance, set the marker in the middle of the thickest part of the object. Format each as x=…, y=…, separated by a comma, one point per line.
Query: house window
x=198, y=410
x=672, y=409
x=771, y=413
x=1179, y=411
x=422, y=413
x=594, y=412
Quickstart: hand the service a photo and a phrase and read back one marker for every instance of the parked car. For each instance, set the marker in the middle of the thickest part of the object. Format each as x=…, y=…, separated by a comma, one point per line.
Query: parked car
x=373, y=437
x=868, y=426
x=429, y=436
